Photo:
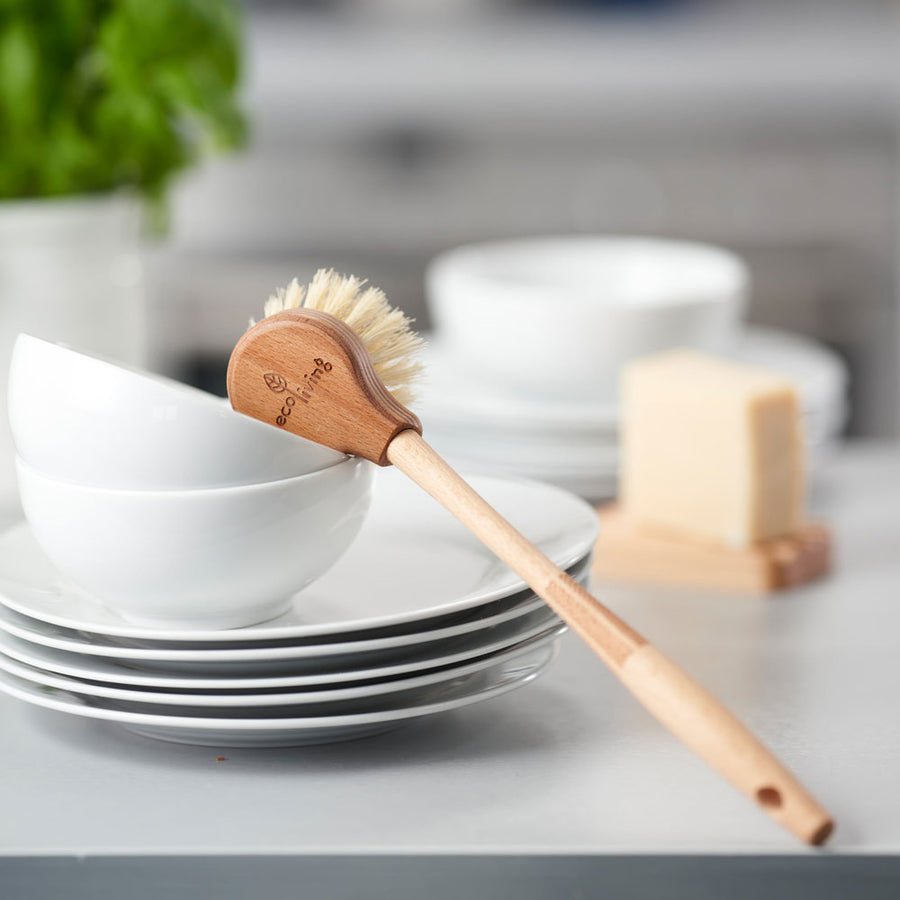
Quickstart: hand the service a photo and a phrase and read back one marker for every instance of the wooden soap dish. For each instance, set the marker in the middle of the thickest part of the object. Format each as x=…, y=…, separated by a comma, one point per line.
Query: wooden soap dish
x=625, y=553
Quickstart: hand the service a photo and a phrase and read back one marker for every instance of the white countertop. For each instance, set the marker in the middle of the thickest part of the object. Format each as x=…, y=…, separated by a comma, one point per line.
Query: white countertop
x=570, y=765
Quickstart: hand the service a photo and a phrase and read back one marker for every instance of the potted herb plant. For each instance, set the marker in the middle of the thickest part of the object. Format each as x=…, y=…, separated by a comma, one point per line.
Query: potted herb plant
x=102, y=102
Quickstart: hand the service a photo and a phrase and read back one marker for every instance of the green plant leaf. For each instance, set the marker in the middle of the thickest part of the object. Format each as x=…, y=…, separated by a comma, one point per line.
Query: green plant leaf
x=97, y=95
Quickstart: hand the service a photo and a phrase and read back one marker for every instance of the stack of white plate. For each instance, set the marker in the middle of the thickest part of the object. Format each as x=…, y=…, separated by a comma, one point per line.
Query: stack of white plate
x=482, y=427
x=417, y=618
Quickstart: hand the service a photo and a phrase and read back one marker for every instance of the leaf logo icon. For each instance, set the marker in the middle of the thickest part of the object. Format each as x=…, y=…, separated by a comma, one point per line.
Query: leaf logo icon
x=275, y=382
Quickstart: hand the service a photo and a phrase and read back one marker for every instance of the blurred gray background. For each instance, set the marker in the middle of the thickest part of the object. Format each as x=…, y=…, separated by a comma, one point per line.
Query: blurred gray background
x=385, y=131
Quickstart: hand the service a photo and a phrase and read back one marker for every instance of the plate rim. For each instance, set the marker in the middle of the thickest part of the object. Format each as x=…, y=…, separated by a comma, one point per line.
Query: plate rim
x=580, y=547
x=179, y=680
x=515, y=412
x=530, y=603
x=55, y=680
x=260, y=726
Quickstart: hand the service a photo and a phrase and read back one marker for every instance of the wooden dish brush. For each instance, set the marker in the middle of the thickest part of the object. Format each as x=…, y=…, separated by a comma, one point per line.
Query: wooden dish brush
x=333, y=363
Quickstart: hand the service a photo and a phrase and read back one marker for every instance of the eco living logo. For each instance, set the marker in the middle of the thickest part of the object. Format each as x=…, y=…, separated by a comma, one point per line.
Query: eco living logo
x=278, y=384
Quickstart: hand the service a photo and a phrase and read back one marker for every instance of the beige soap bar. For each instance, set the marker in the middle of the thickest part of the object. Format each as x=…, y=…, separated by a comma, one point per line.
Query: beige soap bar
x=711, y=450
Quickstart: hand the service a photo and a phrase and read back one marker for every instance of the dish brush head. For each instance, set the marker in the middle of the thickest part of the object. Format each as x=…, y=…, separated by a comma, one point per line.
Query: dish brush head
x=331, y=362
x=386, y=332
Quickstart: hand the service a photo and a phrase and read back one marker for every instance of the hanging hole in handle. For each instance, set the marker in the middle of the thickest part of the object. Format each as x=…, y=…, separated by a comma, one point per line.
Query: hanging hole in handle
x=822, y=833
x=768, y=797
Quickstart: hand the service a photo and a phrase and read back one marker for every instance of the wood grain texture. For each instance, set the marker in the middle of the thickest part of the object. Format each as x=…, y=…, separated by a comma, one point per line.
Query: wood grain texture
x=309, y=373
x=708, y=728
x=303, y=371
x=607, y=635
x=690, y=712
x=629, y=554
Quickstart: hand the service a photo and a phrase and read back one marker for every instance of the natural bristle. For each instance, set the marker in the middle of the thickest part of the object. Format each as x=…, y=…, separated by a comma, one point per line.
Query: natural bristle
x=384, y=330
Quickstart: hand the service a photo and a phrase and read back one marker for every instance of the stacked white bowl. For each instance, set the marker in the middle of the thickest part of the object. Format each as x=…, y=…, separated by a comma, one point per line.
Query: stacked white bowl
x=157, y=518
x=531, y=336
x=166, y=504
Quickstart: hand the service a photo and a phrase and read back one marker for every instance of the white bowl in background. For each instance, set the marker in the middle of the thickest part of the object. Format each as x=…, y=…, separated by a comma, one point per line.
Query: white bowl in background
x=557, y=317
x=216, y=558
x=76, y=417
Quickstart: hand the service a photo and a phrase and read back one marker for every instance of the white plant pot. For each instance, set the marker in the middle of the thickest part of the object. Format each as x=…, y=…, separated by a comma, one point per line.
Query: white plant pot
x=69, y=272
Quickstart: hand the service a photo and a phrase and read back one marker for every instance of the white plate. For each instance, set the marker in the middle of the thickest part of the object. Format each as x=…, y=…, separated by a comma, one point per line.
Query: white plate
x=412, y=563
x=594, y=487
x=274, y=732
x=95, y=668
x=528, y=610
x=513, y=463
x=550, y=457
x=544, y=451
x=279, y=659
x=820, y=374
x=399, y=691
x=496, y=612
x=452, y=397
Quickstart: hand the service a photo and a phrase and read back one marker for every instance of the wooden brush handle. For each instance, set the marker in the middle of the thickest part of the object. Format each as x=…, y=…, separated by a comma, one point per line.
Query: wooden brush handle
x=689, y=711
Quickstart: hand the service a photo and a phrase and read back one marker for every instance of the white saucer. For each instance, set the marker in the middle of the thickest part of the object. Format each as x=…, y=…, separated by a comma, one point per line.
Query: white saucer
x=399, y=691
x=412, y=563
x=819, y=373
x=261, y=660
x=524, y=618
x=450, y=397
x=599, y=484
x=241, y=730
x=497, y=612
x=261, y=676
x=545, y=450
x=512, y=462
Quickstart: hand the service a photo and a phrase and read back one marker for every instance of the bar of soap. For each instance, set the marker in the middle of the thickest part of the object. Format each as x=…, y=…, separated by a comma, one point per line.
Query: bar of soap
x=711, y=450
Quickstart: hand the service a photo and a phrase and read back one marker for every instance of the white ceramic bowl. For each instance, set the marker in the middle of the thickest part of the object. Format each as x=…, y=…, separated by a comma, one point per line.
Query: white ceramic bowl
x=558, y=317
x=216, y=558
x=79, y=418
